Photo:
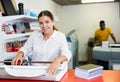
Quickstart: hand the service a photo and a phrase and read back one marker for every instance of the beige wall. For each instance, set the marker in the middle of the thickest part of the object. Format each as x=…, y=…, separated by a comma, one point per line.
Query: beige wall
x=85, y=19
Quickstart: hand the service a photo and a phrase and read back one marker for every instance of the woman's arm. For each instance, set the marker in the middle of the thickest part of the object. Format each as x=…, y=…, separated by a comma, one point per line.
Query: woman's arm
x=65, y=55
x=18, y=59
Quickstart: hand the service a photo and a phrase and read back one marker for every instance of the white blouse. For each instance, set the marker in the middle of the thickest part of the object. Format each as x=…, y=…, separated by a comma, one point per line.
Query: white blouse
x=48, y=50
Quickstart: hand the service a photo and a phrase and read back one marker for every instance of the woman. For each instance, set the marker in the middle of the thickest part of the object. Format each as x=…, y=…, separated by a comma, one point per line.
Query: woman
x=46, y=45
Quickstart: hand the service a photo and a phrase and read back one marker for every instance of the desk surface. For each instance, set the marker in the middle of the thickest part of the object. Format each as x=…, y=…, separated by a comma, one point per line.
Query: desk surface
x=108, y=76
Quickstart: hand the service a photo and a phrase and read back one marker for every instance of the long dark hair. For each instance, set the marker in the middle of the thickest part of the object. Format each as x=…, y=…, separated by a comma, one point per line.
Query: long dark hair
x=48, y=14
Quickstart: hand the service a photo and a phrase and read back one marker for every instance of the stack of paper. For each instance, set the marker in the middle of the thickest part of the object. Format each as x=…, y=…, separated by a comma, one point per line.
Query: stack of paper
x=88, y=71
x=33, y=72
x=24, y=71
x=105, y=44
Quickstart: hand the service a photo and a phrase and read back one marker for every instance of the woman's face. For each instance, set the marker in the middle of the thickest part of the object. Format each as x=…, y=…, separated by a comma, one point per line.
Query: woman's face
x=46, y=24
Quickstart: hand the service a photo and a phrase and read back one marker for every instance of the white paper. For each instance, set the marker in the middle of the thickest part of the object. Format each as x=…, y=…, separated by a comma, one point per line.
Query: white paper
x=105, y=44
x=28, y=71
x=25, y=71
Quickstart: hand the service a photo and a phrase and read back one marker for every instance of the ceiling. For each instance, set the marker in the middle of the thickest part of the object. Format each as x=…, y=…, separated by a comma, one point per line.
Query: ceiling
x=71, y=2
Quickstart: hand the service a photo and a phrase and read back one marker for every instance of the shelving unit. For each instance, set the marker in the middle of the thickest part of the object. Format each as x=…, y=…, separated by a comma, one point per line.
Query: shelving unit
x=6, y=37
x=18, y=18
x=13, y=36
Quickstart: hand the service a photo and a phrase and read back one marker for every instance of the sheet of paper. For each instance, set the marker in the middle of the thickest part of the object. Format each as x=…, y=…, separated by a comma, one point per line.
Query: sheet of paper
x=28, y=71
x=25, y=71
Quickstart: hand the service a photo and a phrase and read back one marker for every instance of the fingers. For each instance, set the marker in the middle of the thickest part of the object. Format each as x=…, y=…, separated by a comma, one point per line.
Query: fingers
x=52, y=69
x=16, y=61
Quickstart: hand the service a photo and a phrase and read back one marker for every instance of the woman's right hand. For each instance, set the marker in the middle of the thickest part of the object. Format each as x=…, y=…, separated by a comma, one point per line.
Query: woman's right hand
x=18, y=59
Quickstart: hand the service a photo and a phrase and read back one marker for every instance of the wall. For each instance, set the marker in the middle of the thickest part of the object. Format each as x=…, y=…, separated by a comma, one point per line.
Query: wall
x=37, y=6
x=85, y=19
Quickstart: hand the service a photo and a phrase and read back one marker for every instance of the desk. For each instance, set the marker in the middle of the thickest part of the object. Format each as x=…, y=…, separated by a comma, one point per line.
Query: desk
x=111, y=55
x=107, y=76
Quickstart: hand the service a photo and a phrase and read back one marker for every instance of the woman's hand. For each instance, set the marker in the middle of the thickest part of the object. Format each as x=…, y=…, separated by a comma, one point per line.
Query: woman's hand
x=18, y=59
x=52, y=69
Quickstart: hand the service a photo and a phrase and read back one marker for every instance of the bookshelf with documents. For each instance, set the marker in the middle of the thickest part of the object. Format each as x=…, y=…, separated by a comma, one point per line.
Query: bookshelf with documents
x=12, y=32
x=88, y=71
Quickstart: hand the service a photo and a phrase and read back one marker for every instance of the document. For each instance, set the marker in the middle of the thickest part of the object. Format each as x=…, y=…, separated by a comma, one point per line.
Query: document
x=25, y=71
x=32, y=72
x=88, y=71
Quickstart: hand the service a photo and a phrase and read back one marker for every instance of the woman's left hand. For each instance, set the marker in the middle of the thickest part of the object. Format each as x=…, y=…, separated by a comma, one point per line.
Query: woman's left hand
x=52, y=69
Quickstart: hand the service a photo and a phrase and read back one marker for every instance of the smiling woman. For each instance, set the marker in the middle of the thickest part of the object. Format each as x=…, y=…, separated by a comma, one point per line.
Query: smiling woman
x=47, y=45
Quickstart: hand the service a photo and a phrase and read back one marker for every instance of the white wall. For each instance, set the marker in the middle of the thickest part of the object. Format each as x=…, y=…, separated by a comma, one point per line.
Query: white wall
x=85, y=19
x=37, y=6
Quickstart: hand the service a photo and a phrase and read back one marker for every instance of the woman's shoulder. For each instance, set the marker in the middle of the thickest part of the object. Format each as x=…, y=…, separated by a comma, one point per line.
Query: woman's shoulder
x=60, y=33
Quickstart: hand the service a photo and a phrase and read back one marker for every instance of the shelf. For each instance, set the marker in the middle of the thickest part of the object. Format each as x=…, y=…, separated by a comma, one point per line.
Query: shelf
x=18, y=18
x=13, y=36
